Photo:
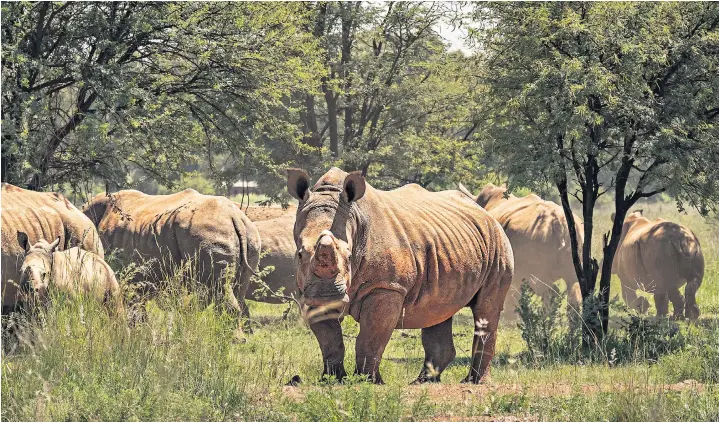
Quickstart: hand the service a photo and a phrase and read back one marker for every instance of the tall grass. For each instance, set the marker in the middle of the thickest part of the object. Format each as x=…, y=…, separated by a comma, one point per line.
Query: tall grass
x=184, y=363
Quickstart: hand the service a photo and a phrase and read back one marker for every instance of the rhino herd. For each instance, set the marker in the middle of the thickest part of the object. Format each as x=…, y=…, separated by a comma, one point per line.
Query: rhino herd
x=406, y=258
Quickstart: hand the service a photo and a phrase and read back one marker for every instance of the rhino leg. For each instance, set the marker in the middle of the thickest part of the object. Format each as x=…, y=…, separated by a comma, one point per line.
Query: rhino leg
x=574, y=295
x=692, y=310
x=486, y=312
x=677, y=302
x=239, y=291
x=661, y=300
x=329, y=336
x=439, y=351
x=633, y=301
x=380, y=313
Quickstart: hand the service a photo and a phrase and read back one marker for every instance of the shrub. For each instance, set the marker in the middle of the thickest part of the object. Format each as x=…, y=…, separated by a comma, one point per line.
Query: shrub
x=553, y=338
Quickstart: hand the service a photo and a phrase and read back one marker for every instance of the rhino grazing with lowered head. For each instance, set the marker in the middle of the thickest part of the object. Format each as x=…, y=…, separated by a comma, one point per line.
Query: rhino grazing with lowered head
x=405, y=258
x=659, y=257
x=74, y=271
x=168, y=230
x=539, y=234
x=38, y=215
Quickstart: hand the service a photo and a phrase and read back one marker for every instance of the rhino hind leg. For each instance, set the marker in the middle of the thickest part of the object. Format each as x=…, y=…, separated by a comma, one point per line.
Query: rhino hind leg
x=486, y=309
x=677, y=302
x=380, y=313
x=692, y=310
x=661, y=300
x=439, y=351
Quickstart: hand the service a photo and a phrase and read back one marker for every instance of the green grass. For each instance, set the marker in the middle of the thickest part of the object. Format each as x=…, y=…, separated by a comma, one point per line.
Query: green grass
x=184, y=363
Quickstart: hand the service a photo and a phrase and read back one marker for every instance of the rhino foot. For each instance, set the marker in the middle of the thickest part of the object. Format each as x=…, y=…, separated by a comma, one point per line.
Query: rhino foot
x=424, y=379
x=693, y=312
x=294, y=381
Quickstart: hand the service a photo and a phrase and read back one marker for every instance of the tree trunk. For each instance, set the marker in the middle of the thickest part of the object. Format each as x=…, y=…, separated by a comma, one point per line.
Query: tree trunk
x=347, y=37
x=608, y=251
x=312, y=132
x=331, y=101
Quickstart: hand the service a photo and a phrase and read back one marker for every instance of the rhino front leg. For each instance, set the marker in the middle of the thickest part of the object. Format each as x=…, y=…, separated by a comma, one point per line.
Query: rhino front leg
x=439, y=351
x=329, y=336
x=633, y=301
x=379, y=316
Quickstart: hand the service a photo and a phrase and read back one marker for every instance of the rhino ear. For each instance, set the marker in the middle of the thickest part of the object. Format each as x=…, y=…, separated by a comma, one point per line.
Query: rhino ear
x=354, y=187
x=298, y=184
x=23, y=241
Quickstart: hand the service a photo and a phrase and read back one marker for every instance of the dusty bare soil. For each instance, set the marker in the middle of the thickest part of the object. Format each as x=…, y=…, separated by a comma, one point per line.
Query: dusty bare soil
x=267, y=213
x=463, y=393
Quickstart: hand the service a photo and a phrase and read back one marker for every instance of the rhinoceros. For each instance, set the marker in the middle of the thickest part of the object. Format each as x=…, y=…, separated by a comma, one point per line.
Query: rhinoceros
x=74, y=271
x=169, y=230
x=659, y=257
x=538, y=232
x=278, y=251
x=38, y=215
x=405, y=258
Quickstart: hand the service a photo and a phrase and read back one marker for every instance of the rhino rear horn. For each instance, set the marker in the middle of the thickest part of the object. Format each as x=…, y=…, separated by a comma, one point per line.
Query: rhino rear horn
x=298, y=184
x=354, y=187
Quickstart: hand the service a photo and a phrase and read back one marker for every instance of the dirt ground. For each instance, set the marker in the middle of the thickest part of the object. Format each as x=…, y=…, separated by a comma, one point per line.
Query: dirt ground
x=463, y=393
x=267, y=213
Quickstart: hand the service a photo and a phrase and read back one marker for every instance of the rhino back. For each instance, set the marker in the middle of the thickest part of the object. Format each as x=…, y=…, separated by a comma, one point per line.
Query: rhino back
x=436, y=248
x=76, y=270
x=179, y=224
x=538, y=232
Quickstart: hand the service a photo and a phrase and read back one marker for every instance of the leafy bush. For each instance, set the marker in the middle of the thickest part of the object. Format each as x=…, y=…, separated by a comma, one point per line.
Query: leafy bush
x=552, y=337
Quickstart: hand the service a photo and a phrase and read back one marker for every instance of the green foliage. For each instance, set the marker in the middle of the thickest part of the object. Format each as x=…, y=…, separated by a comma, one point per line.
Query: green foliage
x=192, y=180
x=579, y=72
x=537, y=322
x=152, y=86
x=393, y=102
x=552, y=337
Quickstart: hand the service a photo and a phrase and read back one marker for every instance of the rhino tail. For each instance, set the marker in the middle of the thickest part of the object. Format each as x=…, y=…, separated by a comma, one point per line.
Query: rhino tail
x=244, y=248
x=687, y=247
x=465, y=191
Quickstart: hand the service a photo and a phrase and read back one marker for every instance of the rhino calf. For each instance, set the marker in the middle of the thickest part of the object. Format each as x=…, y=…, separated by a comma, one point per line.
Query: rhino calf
x=659, y=257
x=75, y=271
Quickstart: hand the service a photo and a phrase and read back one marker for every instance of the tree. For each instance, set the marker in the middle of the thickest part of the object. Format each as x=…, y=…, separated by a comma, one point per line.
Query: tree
x=392, y=102
x=600, y=97
x=99, y=89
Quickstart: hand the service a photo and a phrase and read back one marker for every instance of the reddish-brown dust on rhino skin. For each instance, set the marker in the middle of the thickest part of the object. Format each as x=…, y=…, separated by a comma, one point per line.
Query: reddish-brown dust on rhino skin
x=406, y=258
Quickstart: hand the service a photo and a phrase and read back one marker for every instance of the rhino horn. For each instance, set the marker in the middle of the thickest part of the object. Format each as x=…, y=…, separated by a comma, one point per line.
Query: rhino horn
x=325, y=260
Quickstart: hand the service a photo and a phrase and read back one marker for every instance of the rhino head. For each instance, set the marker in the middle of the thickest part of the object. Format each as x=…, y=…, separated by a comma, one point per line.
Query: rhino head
x=36, y=269
x=330, y=237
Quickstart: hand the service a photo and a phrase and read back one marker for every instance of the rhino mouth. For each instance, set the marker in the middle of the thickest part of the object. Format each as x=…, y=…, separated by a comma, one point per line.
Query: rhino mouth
x=324, y=299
